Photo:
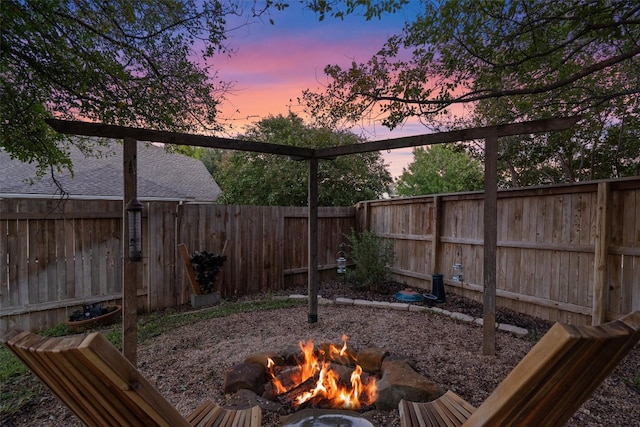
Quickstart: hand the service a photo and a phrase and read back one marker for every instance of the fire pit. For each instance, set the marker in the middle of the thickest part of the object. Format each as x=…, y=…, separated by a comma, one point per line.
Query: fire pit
x=330, y=377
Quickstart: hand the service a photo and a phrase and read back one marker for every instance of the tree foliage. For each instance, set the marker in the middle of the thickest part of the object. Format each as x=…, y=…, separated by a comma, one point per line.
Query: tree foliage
x=504, y=60
x=140, y=63
x=341, y=8
x=117, y=62
x=440, y=169
x=272, y=180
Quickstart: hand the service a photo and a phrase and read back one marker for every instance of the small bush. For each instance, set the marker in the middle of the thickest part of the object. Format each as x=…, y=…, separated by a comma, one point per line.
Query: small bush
x=372, y=256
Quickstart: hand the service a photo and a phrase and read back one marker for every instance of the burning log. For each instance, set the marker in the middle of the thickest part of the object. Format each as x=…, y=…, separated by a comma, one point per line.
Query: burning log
x=289, y=398
x=330, y=353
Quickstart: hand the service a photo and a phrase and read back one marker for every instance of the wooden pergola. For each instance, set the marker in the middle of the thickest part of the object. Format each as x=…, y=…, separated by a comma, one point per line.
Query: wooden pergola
x=132, y=274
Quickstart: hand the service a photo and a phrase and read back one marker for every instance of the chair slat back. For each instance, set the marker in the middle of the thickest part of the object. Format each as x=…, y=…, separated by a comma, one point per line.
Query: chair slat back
x=558, y=374
x=94, y=380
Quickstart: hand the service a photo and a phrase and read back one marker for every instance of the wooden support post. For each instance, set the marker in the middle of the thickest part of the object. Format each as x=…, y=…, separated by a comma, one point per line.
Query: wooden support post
x=131, y=273
x=188, y=267
x=601, y=246
x=435, y=243
x=313, y=240
x=490, y=244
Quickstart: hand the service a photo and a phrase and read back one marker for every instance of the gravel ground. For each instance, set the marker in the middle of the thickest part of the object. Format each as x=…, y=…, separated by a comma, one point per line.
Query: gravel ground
x=188, y=364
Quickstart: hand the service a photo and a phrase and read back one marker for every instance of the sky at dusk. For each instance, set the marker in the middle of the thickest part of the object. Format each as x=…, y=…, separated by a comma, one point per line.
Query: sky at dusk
x=273, y=64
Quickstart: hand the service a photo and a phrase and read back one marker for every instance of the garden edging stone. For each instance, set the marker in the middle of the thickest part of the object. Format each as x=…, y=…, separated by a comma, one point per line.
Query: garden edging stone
x=412, y=307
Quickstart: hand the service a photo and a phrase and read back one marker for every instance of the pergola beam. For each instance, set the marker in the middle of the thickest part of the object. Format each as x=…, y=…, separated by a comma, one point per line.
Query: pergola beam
x=530, y=127
x=121, y=132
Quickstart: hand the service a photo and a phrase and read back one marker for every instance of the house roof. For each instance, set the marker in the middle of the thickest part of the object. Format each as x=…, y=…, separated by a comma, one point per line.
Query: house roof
x=161, y=175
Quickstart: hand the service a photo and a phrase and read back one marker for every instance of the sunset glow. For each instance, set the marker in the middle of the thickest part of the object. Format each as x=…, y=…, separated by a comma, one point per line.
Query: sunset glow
x=273, y=64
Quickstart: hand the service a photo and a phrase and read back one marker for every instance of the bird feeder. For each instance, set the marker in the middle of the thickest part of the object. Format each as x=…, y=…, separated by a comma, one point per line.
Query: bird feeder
x=458, y=272
x=341, y=260
x=134, y=221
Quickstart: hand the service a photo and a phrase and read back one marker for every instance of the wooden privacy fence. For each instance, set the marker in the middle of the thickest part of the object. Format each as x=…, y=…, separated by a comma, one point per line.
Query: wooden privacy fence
x=564, y=252
x=267, y=246
x=58, y=255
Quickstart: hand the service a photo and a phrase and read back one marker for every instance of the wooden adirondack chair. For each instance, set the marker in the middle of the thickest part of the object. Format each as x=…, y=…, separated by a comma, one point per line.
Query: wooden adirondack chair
x=103, y=388
x=546, y=387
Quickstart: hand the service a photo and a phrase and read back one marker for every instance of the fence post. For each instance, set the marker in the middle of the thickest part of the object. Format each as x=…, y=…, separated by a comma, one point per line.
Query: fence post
x=601, y=246
x=435, y=235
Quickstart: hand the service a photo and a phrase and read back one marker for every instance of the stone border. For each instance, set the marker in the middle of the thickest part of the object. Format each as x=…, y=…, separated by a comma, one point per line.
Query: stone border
x=411, y=307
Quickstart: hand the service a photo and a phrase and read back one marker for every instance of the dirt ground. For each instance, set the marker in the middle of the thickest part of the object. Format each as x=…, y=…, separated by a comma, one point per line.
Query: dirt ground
x=187, y=365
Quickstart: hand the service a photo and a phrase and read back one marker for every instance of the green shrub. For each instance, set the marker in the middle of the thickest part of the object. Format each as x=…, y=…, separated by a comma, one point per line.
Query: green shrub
x=372, y=256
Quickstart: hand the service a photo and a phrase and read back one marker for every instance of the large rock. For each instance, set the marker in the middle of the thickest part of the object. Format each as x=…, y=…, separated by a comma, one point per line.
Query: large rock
x=370, y=358
x=249, y=376
x=263, y=359
x=400, y=381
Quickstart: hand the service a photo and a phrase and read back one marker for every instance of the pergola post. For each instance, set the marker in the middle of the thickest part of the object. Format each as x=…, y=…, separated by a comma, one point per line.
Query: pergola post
x=313, y=239
x=130, y=269
x=490, y=244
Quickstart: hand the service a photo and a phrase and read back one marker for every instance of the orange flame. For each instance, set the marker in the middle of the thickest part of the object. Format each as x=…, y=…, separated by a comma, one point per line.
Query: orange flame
x=329, y=387
x=277, y=384
x=310, y=365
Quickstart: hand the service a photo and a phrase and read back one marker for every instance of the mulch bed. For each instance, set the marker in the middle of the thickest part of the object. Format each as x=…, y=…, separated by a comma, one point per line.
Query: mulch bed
x=454, y=303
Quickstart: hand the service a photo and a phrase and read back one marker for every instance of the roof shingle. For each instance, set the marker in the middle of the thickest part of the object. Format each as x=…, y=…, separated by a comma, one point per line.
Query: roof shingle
x=161, y=175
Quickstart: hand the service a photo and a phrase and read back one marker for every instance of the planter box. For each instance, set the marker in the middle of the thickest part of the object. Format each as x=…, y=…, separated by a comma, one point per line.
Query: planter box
x=201, y=300
x=95, y=322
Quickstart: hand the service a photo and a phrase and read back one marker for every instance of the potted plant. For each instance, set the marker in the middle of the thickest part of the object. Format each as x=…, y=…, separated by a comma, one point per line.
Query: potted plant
x=206, y=267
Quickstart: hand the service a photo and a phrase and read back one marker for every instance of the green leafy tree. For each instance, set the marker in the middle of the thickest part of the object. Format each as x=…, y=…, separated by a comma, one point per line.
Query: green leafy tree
x=272, y=180
x=501, y=61
x=140, y=63
x=440, y=169
x=117, y=62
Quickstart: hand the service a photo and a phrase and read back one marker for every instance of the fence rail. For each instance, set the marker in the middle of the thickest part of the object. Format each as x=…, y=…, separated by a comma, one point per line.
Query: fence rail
x=564, y=252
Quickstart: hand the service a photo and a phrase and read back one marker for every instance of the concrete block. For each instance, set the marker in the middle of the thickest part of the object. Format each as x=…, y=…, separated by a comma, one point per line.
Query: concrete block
x=399, y=306
x=440, y=311
x=462, y=317
x=202, y=300
x=513, y=329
